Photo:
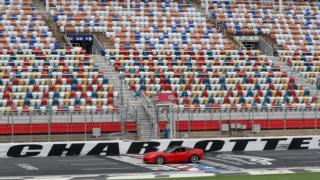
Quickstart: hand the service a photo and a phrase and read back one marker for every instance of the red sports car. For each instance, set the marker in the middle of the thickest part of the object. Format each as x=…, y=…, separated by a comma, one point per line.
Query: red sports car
x=175, y=154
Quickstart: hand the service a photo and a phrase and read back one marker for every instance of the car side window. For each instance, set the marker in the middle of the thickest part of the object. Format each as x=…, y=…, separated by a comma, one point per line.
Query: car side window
x=180, y=150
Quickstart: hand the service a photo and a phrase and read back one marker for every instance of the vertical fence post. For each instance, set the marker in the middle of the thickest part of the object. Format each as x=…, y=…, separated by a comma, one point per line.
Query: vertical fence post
x=230, y=122
x=192, y=119
x=30, y=126
x=69, y=124
x=268, y=120
x=175, y=121
x=138, y=123
x=211, y=117
x=220, y=121
x=85, y=125
x=317, y=109
x=177, y=115
x=189, y=123
x=49, y=126
x=251, y=119
x=303, y=119
x=122, y=106
x=220, y=117
x=285, y=118
x=12, y=129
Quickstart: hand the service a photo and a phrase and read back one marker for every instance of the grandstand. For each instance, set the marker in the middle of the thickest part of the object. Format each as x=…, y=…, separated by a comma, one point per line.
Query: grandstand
x=149, y=48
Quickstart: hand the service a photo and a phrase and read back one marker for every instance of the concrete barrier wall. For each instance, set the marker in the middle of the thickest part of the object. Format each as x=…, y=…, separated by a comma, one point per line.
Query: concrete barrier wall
x=109, y=148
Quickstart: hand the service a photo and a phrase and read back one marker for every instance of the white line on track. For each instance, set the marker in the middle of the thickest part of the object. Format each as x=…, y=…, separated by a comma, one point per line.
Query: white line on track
x=313, y=169
x=278, y=153
x=95, y=164
x=145, y=176
x=163, y=175
x=77, y=160
x=267, y=172
x=28, y=167
x=292, y=157
x=221, y=166
x=191, y=175
x=94, y=169
x=223, y=160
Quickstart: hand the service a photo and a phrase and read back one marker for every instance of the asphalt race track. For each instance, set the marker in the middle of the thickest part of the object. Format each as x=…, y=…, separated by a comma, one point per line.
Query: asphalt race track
x=100, y=167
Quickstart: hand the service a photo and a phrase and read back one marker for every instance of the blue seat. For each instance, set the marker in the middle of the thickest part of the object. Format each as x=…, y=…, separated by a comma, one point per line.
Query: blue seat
x=26, y=102
x=55, y=102
x=56, y=94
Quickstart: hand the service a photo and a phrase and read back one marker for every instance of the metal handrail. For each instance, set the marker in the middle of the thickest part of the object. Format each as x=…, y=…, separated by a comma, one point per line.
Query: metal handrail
x=147, y=103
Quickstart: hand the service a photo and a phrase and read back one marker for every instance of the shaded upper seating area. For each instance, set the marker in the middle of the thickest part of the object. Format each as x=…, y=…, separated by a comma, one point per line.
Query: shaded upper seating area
x=52, y=80
x=22, y=27
x=297, y=28
x=147, y=25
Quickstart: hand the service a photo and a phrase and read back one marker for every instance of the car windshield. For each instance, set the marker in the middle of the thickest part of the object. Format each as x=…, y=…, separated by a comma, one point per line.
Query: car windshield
x=170, y=150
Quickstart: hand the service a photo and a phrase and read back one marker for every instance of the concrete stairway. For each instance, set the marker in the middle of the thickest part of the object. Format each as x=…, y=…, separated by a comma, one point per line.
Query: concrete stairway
x=41, y=9
x=213, y=24
x=134, y=110
x=104, y=40
x=145, y=128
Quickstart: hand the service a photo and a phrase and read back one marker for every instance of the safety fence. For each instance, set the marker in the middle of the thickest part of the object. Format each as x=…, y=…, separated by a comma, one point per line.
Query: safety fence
x=59, y=126
x=232, y=122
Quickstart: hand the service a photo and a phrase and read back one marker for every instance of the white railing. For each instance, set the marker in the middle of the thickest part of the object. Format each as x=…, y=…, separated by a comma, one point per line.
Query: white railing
x=147, y=104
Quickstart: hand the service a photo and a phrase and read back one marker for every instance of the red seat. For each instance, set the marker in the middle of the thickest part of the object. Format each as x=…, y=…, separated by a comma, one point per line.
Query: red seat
x=88, y=101
x=9, y=102
x=51, y=87
x=44, y=101
x=110, y=101
x=6, y=95
x=73, y=94
x=45, y=94
x=226, y=100
x=8, y=88
x=186, y=100
x=35, y=87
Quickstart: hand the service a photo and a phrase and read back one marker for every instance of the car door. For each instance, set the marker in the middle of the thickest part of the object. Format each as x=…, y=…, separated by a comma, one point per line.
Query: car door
x=171, y=157
x=179, y=155
x=183, y=155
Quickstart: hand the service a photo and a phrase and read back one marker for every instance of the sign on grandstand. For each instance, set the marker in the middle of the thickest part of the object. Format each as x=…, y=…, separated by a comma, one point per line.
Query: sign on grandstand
x=80, y=38
x=111, y=148
x=162, y=98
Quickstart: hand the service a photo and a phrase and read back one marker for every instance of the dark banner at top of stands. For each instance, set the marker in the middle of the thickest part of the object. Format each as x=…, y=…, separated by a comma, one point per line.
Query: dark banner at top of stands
x=109, y=148
x=77, y=37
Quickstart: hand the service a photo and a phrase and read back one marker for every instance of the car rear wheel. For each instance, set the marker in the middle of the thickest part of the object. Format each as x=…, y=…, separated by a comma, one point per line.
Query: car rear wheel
x=160, y=160
x=194, y=158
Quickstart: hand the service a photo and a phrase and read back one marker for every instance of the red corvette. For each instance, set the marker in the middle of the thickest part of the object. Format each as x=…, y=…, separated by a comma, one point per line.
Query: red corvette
x=175, y=154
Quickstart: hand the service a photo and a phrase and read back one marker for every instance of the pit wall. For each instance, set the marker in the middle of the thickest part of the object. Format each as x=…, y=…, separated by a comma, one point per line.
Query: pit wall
x=113, y=148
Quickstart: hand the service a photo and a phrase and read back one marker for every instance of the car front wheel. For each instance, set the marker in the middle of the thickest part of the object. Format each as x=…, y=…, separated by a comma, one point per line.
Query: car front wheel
x=160, y=160
x=194, y=158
